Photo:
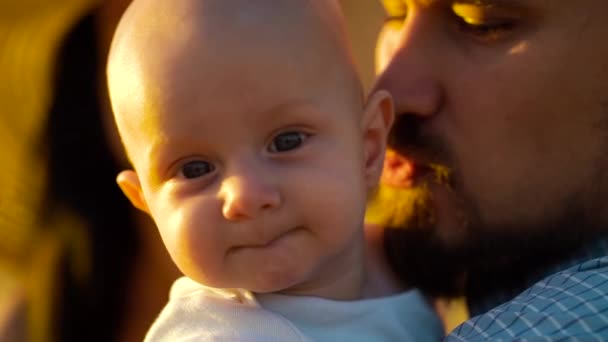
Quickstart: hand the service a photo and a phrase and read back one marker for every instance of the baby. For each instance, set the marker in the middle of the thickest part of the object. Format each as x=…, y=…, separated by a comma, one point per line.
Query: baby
x=254, y=154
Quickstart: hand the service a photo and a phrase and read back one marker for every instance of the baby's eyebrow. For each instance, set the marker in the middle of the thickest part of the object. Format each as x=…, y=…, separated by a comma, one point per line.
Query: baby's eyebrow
x=277, y=112
x=288, y=105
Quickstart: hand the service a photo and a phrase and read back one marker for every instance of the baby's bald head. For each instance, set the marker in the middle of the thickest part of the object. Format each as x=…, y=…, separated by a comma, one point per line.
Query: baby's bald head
x=247, y=112
x=206, y=46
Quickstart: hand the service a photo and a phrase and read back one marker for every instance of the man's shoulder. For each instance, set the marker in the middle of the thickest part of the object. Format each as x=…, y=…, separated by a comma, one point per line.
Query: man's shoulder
x=567, y=305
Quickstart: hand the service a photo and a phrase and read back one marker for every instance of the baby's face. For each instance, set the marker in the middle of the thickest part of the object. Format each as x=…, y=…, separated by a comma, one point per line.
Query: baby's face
x=253, y=156
x=255, y=180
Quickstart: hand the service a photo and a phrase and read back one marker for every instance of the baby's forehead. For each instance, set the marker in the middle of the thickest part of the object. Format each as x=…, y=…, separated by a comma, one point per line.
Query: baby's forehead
x=214, y=36
x=159, y=32
x=168, y=51
x=259, y=19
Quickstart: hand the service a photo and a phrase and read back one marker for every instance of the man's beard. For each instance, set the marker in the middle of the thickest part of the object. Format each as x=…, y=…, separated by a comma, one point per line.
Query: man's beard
x=489, y=257
x=485, y=257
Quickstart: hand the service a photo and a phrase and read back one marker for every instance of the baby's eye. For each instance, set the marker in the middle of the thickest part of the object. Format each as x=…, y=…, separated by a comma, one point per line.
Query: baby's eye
x=196, y=168
x=287, y=141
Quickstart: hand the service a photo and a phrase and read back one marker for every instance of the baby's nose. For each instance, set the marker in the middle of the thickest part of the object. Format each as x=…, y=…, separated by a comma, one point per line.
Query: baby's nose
x=247, y=196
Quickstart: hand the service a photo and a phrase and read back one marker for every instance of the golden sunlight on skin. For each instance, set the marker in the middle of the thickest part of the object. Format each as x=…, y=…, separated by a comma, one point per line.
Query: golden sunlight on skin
x=479, y=14
x=129, y=83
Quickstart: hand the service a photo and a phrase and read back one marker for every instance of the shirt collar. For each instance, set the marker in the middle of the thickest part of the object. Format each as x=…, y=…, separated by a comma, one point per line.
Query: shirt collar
x=595, y=249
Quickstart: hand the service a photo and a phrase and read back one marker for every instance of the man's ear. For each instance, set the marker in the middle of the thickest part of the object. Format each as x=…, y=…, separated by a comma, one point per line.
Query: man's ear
x=129, y=184
x=377, y=120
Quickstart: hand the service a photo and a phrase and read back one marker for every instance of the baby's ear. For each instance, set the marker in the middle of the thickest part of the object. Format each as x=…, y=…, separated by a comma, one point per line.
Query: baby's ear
x=377, y=120
x=129, y=184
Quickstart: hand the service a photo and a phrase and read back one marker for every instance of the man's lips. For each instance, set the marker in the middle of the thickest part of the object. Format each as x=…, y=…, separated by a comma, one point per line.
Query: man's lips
x=400, y=171
x=397, y=171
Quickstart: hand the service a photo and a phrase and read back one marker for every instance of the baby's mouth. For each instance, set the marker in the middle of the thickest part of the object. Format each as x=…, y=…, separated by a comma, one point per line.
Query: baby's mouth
x=267, y=243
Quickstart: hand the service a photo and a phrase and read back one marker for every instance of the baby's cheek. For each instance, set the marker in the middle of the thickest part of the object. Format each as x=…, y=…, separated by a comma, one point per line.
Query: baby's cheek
x=342, y=204
x=187, y=241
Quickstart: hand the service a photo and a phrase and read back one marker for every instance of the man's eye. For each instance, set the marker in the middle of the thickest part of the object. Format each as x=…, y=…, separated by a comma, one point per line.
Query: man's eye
x=487, y=32
x=481, y=22
x=396, y=13
x=394, y=22
x=287, y=141
x=197, y=168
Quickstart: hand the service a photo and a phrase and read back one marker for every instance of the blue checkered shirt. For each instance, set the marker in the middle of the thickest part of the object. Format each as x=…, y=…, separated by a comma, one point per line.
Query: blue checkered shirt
x=571, y=304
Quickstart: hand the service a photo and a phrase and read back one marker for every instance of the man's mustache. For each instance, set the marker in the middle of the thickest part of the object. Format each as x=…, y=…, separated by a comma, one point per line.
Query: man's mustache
x=404, y=133
x=410, y=138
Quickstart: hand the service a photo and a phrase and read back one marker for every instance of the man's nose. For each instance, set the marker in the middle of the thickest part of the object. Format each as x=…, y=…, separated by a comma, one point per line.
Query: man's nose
x=247, y=195
x=407, y=61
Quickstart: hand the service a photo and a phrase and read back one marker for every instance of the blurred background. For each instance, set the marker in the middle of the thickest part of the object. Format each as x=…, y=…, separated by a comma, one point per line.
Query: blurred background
x=76, y=262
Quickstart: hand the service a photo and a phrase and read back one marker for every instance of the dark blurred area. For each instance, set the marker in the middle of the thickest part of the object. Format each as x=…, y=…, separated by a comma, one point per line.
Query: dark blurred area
x=80, y=178
x=70, y=244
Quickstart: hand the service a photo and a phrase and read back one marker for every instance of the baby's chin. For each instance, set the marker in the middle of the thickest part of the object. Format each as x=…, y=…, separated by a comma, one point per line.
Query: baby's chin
x=257, y=281
x=280, y=282
x=302, y=283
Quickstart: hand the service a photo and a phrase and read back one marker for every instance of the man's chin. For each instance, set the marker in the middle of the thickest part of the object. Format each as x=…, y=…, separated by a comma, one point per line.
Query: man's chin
x=479, y=258
x=414, y=251
x=422, y=261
